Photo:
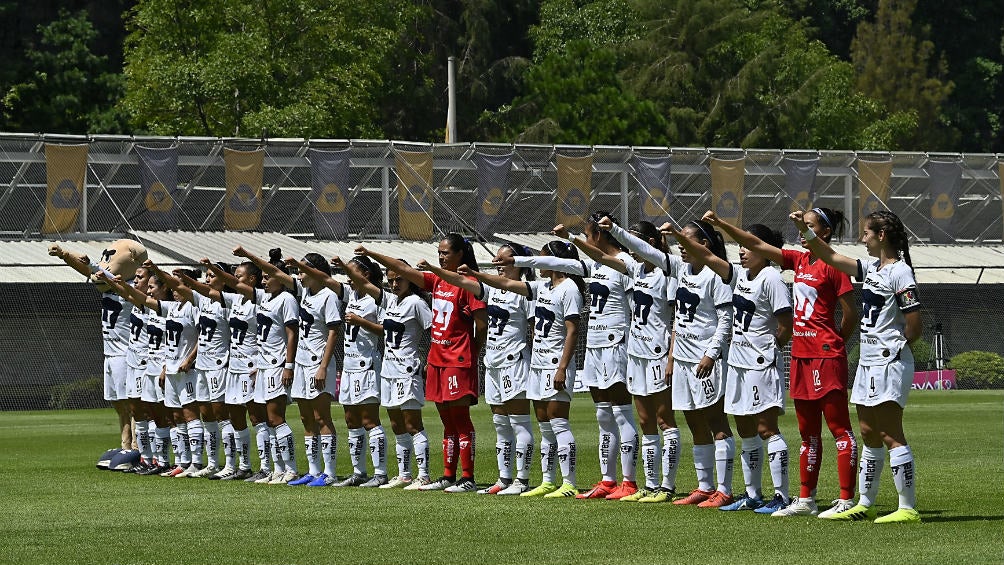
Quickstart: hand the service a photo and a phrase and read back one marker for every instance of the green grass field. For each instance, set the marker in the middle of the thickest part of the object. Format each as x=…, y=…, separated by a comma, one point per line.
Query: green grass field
x=59, y=509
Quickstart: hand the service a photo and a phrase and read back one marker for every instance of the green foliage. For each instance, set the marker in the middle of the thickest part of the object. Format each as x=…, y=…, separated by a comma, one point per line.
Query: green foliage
x=978, y=369
x=601, y=23
x=84, y=392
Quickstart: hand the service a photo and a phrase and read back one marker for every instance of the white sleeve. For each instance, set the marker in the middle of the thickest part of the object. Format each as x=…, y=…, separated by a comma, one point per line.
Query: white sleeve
x=570, y=266
x=723, y=331
x=290, y=309
x=332, y=310
x=423, y=314
x=644, y=249
x=780, y=297
x=569, y=307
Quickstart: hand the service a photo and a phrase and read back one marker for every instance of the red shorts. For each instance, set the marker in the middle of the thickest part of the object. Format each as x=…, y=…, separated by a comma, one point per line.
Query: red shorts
x=445, y=384
x=811, y=379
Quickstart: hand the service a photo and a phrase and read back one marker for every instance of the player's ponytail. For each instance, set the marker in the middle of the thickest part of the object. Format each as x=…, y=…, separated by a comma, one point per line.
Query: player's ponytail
x=373, y=273
x=706, y=232
x=605, y=236
x=833, y=219
x=565, y=250
x=895, y=231
x=460, y=243
x=648, y=232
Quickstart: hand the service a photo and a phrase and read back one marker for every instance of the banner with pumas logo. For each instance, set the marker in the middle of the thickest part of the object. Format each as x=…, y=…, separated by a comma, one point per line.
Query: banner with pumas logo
x=943, y=188
x=575, y=177
x=414, y=194
x=493, y=188
x=158, y=174
x=873, y=189
x=65, y=175
x=243, y=201
x=800, y=186
x=329, y=182
x=727, y=178
x=654, y=193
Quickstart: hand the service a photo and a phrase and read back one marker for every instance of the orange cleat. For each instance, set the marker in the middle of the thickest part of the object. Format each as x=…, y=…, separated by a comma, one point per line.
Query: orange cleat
x=599, y=490
x=696, y=496
x=717, y=500
x=626, y=488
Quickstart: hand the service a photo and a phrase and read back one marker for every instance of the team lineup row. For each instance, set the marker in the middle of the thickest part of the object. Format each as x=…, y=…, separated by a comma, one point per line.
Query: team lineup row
x=191, y=360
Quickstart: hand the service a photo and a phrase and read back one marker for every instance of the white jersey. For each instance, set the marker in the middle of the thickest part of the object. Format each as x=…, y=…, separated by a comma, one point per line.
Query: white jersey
x=243, y=324
x=180, y=332
x=755, y=304
x=156, y=349
x=652, y=299
x=508, y=315
x=697, y=298
x=139, y=339
x=887, y=293
x=318, y=313
x=214, y=339
x=274, y=314
x=362, y=347
x=115, y=312
x=552, y=307
x=405, y=320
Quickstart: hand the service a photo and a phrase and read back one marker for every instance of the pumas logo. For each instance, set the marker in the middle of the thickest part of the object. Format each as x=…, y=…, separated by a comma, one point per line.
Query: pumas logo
x=842, y=444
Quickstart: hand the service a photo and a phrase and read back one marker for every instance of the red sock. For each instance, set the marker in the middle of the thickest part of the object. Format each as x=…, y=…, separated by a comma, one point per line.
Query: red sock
x=838, y=419
x=450, y=444
x=465, y=431
x=810, y=426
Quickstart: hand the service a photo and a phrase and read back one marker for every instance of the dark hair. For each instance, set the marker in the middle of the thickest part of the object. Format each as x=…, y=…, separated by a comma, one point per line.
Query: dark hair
x=767, y=235
x=275, y=259
x=252, y=271
x=158, y=275
x=522, y=251
x=194, y=274
x=886, y=221
x=412, y=287
x=833, y=219
x=375, y=274
x=460, y=243
x=226, y=267
x=316, y=261
x=594, y=222
x=647, y=230
x=708, y=233
x=565, y=250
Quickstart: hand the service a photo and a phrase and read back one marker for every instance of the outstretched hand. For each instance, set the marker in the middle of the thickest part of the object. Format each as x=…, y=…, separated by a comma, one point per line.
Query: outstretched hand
x=669, y=229
x=605, y=223
x=798, y=217
x=560, y=230
x=423, y=265
x=239, y=251
x=465, y=271
x=55, y=250
x=361, y=250
x=712, y=218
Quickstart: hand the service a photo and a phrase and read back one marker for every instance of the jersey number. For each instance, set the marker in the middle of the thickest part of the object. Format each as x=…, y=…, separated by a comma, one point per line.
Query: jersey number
x=442, y=312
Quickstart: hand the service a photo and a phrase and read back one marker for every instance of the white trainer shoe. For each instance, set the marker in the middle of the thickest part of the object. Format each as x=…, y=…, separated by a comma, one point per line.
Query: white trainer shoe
x=441, y=483
x=398, y=482
x=417, y=484
x=798, y=507
x=206, y=472
x=224, y=473
x=517, y=487
x=191, y=471
x=839, y=505
x=284, y=478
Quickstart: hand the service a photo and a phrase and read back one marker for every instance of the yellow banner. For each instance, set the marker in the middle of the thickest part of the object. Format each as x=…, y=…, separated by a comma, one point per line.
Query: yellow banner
x=65, y=175
x=727, y=178
x=873, y=189
x=575, y=177
x=414, y=194
x=243, y=201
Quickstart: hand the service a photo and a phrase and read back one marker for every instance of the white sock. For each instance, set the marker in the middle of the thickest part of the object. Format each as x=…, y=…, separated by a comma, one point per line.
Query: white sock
x=143, y=440
x=869, y=473
x=504, y=439
x=378, y=450
x=356, y=438
x=777, y=455
x=421, y=442
x=901, y=462
x=607, y=423
x=548, y=451
x=229, y=438
x=650, y=456
x=313, y=455
x=243, y=440
x=161, y=438
x=287, y=449
x=704, y=464
x=566, y=448
x=211, y=435
x=403, y=447
x=524, y=445
x=670, y=457
x=263, y=441
x=277, y=464
x=184, y=454
x=725, y=455
x=196, y=440
x=624, y=416
x=752, y=458
x=329, y=448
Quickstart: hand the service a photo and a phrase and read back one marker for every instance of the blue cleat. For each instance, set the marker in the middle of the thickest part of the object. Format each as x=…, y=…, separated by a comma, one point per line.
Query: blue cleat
x=322, y=480
x=304, y=480
x=774, y=505
x=743, y=503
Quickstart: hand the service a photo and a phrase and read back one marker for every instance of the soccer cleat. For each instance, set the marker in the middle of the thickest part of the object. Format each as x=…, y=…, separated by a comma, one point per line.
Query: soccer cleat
x=261, y=474
x=626, y=488
x=239, y=475
x=191, y=471
x=465, y=484
x=223, y=474
x=744, y=502
x=496, y=488
x=901, y=516
x=353, y=480
x=418, y=483
x=304, y=480
x=439, y=484
x=798, y=507
x=773, y=505
x=661, y=494
x=855, y=513
x=567, y=490
x=696, y=496
x=268, y=478
x=206, y=472
x=174, y=471
x=637, y=495
x=542, y=490
x=397, y=482
x=599, y=490
x=839, y=505
x=717, y=500
x=518, y=486
x=154, y=470
x=136, y=468
x=322, y=480
x=376, y=481
x=283, y=478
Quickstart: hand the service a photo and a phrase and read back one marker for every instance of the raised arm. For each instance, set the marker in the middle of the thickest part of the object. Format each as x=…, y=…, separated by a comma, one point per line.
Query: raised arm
x=233, y=282
x=644, y=249
x=413, y=275
x=199, y=286
x=182, y=292
x=593, y=252
x=745, y=238
x=702, y=253
x=77, y=261
x=456, y=279
x=821, y=249
x=127, y=291
x=549, y=262
x=519, y=287
x=266, y=267
x=353, y=272
x=326, y=279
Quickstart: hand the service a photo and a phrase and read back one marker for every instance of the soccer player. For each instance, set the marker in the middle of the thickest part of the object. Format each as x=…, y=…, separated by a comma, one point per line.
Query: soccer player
x=890, y=324
x=507, y=367
x=136, y=359
x=558, y=303
x=818, y=357
x=754, y=387
x=459, y=327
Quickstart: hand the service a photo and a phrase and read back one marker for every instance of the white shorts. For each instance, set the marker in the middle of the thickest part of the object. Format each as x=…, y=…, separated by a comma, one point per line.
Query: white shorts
x=116, y=375
x=134, y=381
x=507, y=383
x=884, y=383
x=751, y=391
x=151, y=389
x=210, y=385
x=239, y=388
x=303, y=382
x=360, y=387
x=646, y=376
x=605, y=366
x=179, y=389
x=402, y=393
x=692, y=393
x=540, y=385
x=268, y=384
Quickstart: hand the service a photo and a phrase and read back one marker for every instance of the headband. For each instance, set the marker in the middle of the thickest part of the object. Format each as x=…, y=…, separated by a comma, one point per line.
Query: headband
x=819, y=212
x=707, y=235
